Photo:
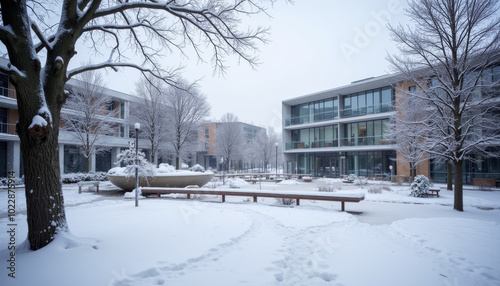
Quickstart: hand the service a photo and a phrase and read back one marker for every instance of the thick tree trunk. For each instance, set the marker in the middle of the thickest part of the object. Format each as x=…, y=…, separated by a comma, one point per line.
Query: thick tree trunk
x=449, y=177
x=458, y=203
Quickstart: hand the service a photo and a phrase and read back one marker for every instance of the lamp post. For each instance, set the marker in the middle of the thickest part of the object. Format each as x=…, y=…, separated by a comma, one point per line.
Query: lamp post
x=223, y=171
x=277, y=161
x=390, y=168
x=137, y=127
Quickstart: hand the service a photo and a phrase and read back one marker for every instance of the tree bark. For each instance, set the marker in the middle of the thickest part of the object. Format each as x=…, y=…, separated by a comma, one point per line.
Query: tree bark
x=458, y=203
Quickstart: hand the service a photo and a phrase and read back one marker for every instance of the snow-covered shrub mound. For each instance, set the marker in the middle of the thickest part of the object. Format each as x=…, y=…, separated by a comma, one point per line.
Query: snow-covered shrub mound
x=197, y=168
x=17, y=181
x=77, y=177
x=288, y=182
x=237, y=183
x=165, y=168
x=420, y=186
x=351, y=178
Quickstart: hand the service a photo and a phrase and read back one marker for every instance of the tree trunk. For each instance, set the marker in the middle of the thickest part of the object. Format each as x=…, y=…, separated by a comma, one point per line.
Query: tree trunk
x=458, y=203
x=449, y=177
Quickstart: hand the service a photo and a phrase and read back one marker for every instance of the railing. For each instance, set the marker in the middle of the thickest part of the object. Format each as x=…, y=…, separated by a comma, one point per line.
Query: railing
x=314, y=144
x=317, y=117
x=7, y=128
x=364, y=141
x=7, y=92
x=374, y=109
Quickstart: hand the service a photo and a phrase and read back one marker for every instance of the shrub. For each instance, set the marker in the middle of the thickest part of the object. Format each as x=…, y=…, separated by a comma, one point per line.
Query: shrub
x=285, y=201
x=351, y=178
x=420, y=186
x=197, y=168
x=328, y=189
x=77, y=177
x=17, y=181
x=375, y=189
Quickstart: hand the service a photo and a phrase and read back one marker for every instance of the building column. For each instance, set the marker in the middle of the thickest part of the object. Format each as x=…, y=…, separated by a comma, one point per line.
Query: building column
x=61, y=158
x=14, y=157
x=92, y=163
x=114, y=153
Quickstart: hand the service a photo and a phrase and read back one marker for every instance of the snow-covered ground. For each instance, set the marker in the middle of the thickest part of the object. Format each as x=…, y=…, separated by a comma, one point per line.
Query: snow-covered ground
x=387, y=239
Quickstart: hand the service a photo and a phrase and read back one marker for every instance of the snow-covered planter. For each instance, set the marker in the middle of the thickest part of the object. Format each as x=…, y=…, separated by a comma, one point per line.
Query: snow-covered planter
x=420, y=186
x=197, y=168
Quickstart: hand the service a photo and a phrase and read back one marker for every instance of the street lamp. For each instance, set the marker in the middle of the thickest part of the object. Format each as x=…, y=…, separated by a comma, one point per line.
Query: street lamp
x=277, y=161
x=137, y=127
x=390, y=168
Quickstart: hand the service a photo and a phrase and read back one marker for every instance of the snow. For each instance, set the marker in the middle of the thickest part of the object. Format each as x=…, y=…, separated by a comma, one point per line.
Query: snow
x=388, y=239
x=38, y=121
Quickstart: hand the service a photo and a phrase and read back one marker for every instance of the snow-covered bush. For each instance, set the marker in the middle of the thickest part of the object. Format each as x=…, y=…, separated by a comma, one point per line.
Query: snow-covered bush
x=420, y=186
x=127, y=157
x=285, y=201
x=351, y=178
x=17, y=181
x=197, y=168
x=166, y=168
x=72, y=178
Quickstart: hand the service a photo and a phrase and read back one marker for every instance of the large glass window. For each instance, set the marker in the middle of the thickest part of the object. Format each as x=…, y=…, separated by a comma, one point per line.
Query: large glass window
x=74, y=161
x=365, y=133
x=368, y=102
x=318, y=137
x=4, y=85
x=103, y=161
x=316, y=111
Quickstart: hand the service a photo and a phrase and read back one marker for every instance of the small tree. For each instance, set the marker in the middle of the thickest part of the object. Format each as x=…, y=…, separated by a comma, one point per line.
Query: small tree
x=229, y=138
x=86, y=112
x=187, y=109
x=420, y=186
x=408, y=129
x=150, y=112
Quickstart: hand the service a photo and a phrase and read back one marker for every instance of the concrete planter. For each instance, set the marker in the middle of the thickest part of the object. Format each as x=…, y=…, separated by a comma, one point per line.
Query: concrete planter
x=172, y=180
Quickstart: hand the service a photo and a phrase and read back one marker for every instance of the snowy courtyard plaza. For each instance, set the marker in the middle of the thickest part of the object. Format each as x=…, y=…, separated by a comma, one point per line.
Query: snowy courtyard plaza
x=388, y=239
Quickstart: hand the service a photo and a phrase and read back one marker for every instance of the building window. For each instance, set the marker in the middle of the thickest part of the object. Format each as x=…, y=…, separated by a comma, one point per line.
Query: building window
x=74, y=161
x=4, y=120
x=368, y=102
x=3, y=159
x=4, y=85
x=111, y=106
x=122, y=110
x=365, y=133
x=316, y=111
x=318, y=137
x=412, y=88
x=103, y=161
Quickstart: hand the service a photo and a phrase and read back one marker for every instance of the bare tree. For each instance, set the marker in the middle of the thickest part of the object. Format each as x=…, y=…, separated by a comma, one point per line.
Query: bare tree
x=264, y=146
x=150, y=112
x=40, y=38
x=229, y=138
x=87, y=111
x=450, y=53
x=187, y=109
x=408, y=130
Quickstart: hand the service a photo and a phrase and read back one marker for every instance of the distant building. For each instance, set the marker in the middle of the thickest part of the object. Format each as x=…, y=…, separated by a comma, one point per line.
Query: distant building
x=207, y=139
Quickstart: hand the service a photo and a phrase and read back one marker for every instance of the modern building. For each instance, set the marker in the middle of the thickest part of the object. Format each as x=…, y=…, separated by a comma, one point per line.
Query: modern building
x=71, y=159
x=206, y=156
x=343, y=131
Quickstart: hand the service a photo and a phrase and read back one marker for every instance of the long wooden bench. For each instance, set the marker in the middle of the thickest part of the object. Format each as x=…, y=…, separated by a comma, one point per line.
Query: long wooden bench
x=433, y=191
x=320, y=196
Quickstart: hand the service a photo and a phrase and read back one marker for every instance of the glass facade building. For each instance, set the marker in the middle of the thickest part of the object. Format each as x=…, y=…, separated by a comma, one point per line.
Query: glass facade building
x=341, y=131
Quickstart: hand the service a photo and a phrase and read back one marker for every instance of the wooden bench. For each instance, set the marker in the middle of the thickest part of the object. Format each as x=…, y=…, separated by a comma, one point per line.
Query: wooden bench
x=82, y=183
x=253, y=181
x=320, y=196
x=484, y=182
x=433, y=191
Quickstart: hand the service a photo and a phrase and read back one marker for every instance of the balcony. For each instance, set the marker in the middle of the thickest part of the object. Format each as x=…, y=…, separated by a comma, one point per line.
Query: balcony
x=374, y=109
x=365, y=141
x=315, y=144
x=317, y=117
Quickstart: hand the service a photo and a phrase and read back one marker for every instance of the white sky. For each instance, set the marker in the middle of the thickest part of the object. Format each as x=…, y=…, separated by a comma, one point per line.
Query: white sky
x=313, y=45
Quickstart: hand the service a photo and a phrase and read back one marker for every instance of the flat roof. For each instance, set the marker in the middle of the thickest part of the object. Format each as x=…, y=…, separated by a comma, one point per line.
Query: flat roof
x=355, y=86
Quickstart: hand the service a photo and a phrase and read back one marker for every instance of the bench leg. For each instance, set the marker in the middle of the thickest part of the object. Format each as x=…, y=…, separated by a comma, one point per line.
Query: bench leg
x=254, y=199
x=79, y=189
x=159, y=195
x=97, y=187
x=298, y=201
x=188, y=196
x=342, y=206
x=223, y=198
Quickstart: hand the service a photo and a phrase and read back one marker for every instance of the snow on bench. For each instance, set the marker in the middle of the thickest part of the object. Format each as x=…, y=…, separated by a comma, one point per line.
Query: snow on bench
x=81, y=183
x=320, y=196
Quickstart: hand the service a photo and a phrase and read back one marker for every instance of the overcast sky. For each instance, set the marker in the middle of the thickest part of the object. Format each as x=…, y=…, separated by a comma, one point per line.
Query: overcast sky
x=313, y=45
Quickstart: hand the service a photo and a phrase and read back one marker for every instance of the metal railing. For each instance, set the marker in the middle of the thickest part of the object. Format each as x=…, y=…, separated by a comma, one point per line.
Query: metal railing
x=317, y=117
